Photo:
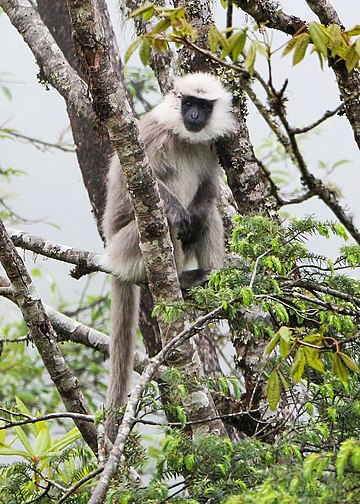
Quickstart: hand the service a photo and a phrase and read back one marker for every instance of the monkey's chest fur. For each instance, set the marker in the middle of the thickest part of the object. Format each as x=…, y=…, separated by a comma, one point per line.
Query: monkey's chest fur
x=182, y=165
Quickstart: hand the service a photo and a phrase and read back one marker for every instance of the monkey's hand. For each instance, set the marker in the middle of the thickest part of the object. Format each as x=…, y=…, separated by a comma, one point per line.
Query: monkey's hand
x=184, y=227
x=193, y=230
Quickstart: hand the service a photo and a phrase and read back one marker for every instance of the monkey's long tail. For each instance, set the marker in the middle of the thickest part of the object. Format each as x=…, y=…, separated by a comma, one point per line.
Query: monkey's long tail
x=124, y=320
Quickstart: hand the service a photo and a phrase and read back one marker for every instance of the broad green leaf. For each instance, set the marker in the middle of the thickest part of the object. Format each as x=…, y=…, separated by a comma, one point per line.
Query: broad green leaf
x=349, y=363
x=318, y=37
x=144, y=52
x=339, y=369
x=2, y=435
x=298, y=366
x=283, y=380
x=250, y=58
x=24, y=440
x=189, y=461
x=289, y=46
x=161, y=26
x=312, y=358
x=42, y=442
x=148, y=14
x=141, y=10
x=273, y=342
x=215, y=39
x=131, y=49
x=24, y=409
x=353, y=31
x=261, y=48
x=285, y=333
x=301, y=45
x=236, y=386
x=273, y=390
x=237, y=43
x=284, y=348
x=66, y=440
x=335, y=38
x=342, y=458
x=11, y=452
x=351, y=56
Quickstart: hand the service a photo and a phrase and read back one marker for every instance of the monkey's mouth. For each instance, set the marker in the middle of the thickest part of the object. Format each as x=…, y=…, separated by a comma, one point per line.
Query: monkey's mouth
x=193, y=127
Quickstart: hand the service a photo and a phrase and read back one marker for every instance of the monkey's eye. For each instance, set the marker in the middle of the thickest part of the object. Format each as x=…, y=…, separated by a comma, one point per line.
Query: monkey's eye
x=207, y=107
x=187, y=103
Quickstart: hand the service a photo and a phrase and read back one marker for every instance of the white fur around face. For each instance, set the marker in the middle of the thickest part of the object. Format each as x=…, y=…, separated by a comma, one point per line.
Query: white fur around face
x=199, y=85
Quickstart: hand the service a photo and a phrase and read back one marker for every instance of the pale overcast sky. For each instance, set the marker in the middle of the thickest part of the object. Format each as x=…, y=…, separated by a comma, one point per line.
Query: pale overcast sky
x=53, y=189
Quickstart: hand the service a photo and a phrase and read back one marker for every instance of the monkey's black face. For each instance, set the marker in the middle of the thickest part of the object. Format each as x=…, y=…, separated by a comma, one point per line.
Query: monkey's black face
x=196, y=112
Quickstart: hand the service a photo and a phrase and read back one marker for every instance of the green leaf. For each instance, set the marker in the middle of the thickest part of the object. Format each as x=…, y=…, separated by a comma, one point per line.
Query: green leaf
x=285, y=333
x=24, y=440
x=237, y=43
x=161, y=26
x=246, y=295
x=273, y=342
x=289, y=46
x=298, y=366
x=349, y=363
x=141, y=10
x=312, y=358
x=318, y=37
x=189, y=461
x=6, y=92
x=42, y=442
x=302, y=42
x=66, y=440
x=236, y=386
x=336, y=40
x=250, y=58
x=284, y=348
x=148, y=14
x=351, y=57
x=283, y=380
x=273, y=390
x=353, y=31
x=131, y=49
x=24, y=409
x=214, y=39
x=339, y=369
x=144, y=52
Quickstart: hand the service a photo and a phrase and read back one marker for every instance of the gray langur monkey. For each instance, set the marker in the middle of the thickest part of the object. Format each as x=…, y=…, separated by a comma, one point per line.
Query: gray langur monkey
x=179, y=136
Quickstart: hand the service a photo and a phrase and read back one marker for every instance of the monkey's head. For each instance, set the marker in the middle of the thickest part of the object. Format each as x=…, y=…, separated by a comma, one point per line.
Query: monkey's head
x=198, y=109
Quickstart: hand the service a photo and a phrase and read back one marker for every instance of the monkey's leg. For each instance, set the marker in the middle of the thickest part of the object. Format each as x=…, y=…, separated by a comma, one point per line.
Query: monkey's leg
x=209, y=247
x=122, y=255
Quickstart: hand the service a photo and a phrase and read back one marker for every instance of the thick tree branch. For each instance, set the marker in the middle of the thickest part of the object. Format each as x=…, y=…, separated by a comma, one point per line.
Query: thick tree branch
x=113, y=110
x=86, y=261
x=68, y=329
x=325, y=12
x=268, y=13
x=43, y=335
x=348, y=83
x=55, y=68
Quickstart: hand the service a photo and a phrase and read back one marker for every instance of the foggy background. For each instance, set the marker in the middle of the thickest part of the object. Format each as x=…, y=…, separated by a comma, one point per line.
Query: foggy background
x=52, y=192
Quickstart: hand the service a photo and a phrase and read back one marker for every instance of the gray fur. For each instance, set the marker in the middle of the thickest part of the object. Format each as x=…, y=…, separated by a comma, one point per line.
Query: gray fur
x=187, y=170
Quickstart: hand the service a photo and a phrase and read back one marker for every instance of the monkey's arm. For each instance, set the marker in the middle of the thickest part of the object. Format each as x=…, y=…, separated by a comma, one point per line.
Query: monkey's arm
x=200, y=208
x=176, y=213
